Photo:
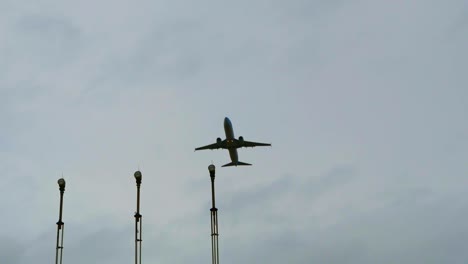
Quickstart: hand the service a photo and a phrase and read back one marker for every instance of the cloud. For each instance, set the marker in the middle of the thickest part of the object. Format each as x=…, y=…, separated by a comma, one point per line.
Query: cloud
x=10, y=250
x=363, y=102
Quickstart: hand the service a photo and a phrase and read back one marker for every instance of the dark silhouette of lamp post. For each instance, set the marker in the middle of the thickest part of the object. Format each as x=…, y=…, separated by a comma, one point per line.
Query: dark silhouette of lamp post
x=214, y=219
x=60, y=225
x=138, y=221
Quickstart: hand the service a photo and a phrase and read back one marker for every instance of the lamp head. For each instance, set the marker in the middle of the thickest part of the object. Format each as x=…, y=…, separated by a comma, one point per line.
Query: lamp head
x=211, y=168
x=61, y=183
x=137, y=175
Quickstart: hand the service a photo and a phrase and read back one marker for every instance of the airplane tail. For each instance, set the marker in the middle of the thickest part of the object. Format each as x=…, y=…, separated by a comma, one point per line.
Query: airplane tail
x=239, y=163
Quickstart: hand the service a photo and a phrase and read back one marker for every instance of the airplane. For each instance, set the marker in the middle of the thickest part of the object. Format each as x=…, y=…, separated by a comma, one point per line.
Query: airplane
x=232, y=144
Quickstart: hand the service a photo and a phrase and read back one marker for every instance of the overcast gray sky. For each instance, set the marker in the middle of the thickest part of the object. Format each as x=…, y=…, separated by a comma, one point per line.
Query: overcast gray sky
x=365, y=103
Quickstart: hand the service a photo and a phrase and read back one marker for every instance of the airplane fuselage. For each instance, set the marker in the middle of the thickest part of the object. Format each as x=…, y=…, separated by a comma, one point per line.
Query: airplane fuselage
x=229, y=131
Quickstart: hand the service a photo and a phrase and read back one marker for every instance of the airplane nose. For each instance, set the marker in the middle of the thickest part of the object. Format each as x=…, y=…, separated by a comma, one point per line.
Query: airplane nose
x=227, y=121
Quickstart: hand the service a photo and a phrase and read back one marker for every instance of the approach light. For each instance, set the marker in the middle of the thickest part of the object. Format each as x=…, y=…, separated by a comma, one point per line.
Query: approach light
x=137, y=175
x=211, y=168
x=61, y=183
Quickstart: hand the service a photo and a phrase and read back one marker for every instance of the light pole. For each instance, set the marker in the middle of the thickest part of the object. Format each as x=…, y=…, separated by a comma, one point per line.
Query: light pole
x=214, y=219
x=138, y=220
x=60, y=225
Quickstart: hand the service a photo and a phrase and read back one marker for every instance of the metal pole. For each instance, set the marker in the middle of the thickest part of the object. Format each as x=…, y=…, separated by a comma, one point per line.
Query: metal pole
x=141, y=233
x=136, y=239
x=138, y=221
x=214, y=220
x=60, y=225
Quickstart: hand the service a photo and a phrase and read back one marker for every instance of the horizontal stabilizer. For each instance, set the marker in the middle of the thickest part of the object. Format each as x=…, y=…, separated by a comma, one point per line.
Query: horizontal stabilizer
x=239, y=163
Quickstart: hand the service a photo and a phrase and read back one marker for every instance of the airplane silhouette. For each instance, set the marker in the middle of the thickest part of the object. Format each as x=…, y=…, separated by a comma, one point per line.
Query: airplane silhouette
x=232, y=144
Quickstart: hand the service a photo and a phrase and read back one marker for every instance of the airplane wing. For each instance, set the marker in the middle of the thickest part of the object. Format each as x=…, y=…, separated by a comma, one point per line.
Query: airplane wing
x=213, y=146
x=249, y=144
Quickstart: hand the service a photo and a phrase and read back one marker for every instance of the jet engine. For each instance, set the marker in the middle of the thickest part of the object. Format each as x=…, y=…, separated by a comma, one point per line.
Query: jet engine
x=218, y=141
x=241, y=140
